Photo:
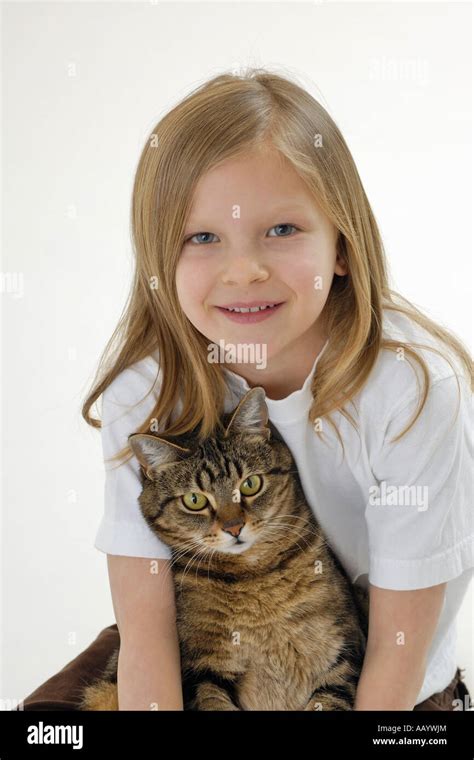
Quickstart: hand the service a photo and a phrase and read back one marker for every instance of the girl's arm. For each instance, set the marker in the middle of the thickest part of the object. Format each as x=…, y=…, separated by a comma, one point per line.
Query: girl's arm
x=149, y=667
x=401, y=628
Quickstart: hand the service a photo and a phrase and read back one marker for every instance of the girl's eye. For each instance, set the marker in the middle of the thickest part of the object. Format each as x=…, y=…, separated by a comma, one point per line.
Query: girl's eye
x=211, y=234
x=251, y=485
x=279, y=226
x=194, y=501
x=198, y=234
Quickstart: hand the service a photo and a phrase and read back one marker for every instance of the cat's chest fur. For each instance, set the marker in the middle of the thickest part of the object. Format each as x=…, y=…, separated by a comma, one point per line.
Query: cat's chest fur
x=272, y=631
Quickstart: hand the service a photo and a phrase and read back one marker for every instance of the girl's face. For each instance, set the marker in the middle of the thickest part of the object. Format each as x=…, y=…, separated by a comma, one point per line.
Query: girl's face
x=255, y=236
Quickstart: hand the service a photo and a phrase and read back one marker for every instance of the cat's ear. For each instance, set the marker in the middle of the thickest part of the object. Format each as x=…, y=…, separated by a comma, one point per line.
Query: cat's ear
x=152, y=451
x=251, y=415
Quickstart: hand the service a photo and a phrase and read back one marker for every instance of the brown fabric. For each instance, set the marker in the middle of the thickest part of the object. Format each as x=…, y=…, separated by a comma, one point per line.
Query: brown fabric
x=443, y=700
x=62, y=690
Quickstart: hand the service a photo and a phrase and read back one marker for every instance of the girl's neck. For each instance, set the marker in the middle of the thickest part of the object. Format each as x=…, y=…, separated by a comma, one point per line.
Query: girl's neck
x=287, y=371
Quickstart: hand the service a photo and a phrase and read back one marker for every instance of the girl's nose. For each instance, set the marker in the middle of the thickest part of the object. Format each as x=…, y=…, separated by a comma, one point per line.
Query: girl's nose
x=243, y=269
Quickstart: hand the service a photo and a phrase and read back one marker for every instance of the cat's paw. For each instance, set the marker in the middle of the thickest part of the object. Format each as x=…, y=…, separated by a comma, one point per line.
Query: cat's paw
x=101, y=695
x=209, y=696
x=327, y=702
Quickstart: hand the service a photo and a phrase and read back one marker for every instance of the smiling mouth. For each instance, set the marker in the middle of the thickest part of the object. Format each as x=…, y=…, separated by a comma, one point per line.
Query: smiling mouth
x=250, y=314
x=250, y=309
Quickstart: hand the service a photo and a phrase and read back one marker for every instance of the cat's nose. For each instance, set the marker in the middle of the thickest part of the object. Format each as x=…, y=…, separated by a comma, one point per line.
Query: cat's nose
x=233, y=527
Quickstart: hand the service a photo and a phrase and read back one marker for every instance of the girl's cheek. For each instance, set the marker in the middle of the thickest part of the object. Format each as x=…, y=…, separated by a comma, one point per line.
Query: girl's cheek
x=304, y=278
x=316, y=274
x=191, y=280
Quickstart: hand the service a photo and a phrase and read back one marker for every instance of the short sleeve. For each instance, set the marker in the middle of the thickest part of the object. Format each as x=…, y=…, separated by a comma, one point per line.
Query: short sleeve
x=420, y=514
x=123, y=529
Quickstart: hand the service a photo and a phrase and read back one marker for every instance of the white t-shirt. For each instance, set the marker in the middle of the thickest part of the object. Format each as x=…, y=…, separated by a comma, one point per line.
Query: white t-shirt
x=383, y=533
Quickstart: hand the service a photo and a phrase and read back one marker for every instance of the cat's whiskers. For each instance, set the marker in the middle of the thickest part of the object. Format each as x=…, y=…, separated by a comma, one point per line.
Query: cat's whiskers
x=213, y=551
x=296, y=517
x=206, y=551
x=201, y=550
x=185, y=568
x=272, y=523
x=275, y=530
x=184, y=548
x=315, y=530
x=323, y=542
x=304, y=530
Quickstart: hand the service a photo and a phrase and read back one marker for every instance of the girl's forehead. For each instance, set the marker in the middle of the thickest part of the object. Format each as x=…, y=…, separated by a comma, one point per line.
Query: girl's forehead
x=255, y=165
x=251, y=186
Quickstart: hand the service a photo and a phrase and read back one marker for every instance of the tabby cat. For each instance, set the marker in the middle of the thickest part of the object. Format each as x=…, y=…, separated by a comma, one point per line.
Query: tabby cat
x=267, y=618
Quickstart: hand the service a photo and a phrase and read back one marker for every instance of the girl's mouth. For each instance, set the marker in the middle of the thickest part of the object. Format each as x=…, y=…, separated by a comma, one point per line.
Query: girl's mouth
x=248, y=317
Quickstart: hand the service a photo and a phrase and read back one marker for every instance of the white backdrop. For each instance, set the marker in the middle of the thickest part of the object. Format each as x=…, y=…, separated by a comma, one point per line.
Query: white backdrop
x=83, y=84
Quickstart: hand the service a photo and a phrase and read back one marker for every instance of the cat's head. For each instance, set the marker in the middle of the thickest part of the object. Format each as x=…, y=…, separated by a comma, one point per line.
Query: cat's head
x=227, y=493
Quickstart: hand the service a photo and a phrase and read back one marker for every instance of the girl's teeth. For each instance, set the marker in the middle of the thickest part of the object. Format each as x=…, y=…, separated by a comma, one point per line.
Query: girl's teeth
x=253, y=308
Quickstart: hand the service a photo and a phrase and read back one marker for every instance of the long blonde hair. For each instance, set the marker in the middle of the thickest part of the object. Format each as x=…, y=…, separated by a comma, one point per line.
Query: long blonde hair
x=220, y=119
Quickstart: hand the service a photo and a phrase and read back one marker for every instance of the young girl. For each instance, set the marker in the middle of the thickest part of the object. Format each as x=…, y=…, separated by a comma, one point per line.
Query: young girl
x=253, y=234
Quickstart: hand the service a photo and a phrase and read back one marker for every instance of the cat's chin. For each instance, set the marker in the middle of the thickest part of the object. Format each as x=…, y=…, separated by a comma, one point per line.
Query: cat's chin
x=236, y=548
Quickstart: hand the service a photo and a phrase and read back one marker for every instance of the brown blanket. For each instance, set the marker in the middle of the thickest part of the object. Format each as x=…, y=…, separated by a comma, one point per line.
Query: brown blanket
x=62, y=690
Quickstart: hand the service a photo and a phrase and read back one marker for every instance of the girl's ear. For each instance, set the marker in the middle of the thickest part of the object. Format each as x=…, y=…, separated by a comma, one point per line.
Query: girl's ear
x=153, y=451
x=251, y=415
x=341, y=267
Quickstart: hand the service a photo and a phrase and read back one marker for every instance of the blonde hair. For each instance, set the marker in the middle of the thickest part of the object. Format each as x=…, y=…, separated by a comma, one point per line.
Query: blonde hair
x=222, y=118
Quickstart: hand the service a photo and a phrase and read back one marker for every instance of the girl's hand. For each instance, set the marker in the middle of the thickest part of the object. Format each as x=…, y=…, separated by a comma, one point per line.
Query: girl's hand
x=401, y=628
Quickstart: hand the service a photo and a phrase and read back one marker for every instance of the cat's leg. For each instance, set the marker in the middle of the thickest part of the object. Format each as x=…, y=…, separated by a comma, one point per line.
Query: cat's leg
x=101, y=695
x=332, y=698
x=210, y=696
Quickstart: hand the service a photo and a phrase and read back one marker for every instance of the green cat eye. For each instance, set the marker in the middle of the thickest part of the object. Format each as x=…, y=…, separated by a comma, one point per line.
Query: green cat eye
x=195, y=501
x=251, y=485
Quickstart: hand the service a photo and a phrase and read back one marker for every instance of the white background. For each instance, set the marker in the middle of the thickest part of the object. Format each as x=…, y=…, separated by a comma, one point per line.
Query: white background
x=83, y=85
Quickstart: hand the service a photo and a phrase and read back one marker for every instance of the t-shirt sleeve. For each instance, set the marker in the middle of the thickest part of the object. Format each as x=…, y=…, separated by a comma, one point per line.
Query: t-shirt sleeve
x=123, y=529
x=420, y=514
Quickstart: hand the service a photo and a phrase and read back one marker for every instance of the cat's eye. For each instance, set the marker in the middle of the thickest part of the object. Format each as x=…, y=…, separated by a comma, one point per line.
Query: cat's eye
x=194, y=500
x=251, y=485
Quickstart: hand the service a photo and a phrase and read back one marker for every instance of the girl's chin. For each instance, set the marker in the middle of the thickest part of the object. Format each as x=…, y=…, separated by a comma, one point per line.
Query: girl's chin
x=242, y=357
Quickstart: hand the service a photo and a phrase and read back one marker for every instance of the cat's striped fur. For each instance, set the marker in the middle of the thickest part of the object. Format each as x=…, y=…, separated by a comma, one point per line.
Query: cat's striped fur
x=270, y=624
